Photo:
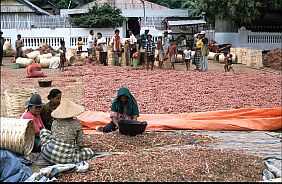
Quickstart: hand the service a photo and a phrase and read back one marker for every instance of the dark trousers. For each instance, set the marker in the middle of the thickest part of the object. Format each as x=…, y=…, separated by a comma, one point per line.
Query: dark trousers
x=18, y=53
x=110, y=127
x=37, y=145
x=103, y=58
x=1, y=57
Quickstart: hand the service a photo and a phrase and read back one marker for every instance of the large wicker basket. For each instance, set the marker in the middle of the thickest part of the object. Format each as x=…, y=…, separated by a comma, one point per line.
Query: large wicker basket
x=17, y=135
x=15, y=100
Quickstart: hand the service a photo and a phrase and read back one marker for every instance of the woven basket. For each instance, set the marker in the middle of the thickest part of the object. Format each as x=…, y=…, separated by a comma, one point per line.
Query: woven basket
x=15, y=100
x=17, y=135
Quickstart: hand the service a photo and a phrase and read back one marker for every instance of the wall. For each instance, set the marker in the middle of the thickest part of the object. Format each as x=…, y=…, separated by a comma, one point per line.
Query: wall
x=246, y=38
x=226, y=37
x=225, y=26
x=259, y=40
x=33, y=37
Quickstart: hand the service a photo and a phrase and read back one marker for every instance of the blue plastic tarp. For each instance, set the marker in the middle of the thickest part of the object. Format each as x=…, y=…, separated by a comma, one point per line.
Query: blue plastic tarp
x=11, y=168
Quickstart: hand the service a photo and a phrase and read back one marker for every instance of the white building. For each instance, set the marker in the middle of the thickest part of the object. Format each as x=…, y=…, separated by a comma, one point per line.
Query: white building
x=139, y=14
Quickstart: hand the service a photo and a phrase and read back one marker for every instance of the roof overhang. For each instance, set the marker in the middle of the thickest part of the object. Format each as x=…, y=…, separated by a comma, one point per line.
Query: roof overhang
x=35, y=8
x=185, y=22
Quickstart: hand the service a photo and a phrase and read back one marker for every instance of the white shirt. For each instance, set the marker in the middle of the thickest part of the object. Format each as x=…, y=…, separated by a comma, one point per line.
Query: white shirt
x=187, y=54
x=102, y=42
x=166, y=40
x=132, y=39
x=90, y=41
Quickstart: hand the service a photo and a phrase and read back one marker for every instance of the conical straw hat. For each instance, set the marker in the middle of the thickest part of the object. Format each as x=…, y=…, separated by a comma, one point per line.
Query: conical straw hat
x=67, y=109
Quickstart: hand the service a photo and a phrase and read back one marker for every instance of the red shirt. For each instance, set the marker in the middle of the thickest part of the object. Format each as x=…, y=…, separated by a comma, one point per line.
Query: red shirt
x=37, y=121
x=172, y=50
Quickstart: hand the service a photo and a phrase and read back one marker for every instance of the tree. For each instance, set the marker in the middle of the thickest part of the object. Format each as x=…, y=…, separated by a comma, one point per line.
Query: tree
x=174, y=4
x=192, y=7
x=240, y=11
x=62, y=4
x=99, y=16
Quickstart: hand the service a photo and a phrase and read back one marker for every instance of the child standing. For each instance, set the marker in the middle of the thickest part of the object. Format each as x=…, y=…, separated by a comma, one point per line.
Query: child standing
x=150, y=51
x=225, y=62
x=187, y=57
x=79, y=45
x=172, y=53
x=160, y=49
x=63, y=59
x=229, y=63
x=19, y=45
x=127, y=52
x=136, y=56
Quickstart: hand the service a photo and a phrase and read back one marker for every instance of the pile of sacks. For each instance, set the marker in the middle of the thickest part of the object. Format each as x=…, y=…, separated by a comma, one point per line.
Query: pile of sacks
x=34, y=70
x=273, y=59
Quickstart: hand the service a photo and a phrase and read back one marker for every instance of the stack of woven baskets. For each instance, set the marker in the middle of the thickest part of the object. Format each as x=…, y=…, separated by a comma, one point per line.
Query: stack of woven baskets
x=15, y=101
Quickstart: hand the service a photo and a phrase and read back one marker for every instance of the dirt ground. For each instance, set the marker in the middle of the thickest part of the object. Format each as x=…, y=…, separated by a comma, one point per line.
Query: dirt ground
x=11, y=78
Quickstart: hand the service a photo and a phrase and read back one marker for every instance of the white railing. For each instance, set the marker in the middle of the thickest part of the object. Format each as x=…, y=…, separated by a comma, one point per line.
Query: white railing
x=260, y=40
x=35, y=42
x=73, y=41
x=32, y=38
x=249, y=39
x=264, y=38
x=7, y=39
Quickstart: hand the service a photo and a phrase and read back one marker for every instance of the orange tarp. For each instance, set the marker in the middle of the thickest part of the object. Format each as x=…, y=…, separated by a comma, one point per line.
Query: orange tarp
x=235, y=119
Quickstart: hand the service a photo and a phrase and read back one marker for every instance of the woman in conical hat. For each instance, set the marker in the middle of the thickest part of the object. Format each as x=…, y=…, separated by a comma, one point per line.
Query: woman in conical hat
x=64, y=143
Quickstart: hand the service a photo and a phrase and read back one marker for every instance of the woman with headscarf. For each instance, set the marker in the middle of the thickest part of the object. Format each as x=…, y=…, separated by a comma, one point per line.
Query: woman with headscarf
x=34, y=108
x=64, y=143
x=124, y=106
x=54, y=98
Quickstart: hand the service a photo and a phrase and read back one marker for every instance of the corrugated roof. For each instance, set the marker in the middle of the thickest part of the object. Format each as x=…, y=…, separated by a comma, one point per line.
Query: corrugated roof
x=185, y=22
x=125, y=4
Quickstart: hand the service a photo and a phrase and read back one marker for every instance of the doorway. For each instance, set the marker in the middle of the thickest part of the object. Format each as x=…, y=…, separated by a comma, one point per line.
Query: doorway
x=133, y=24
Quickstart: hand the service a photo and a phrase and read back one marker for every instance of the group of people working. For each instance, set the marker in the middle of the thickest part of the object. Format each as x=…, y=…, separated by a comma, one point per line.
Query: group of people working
x=59, y=135
x=136, y=51
x=128, y=47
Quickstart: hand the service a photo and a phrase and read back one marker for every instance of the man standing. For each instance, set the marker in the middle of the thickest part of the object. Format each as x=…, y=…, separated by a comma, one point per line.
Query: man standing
x=166, y=40
x=204, y=51
x=133, y=41
x=102, y=47
x=116, y=47
x=90, y=43
x=1, y=48
x=143, y=39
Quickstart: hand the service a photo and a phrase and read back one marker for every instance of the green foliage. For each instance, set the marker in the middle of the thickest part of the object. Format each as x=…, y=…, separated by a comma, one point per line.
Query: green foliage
x=174, y=4
x=62, y=4
x=100, y=16
x=239, y=11
x=192, y=7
